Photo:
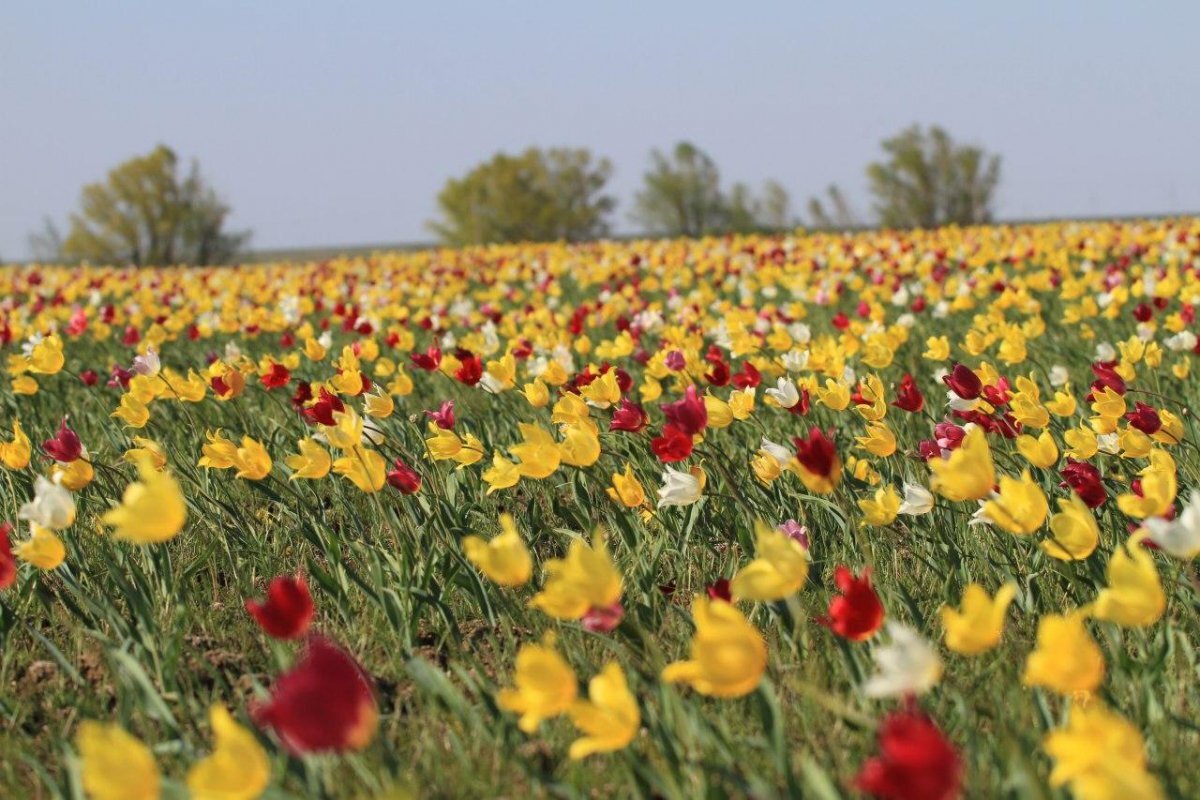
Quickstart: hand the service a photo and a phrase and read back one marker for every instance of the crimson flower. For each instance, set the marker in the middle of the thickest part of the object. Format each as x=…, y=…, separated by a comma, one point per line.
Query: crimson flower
x=856, y=613
x=908, y=396
x=471, y=369
x=673, y=445
x=629, y=417
x=8, y=564
x=963, y=381
x=817, y=453
x=1145, y=418
x=444, y=416
x=323, y=410
x=65, y=447
x=404, y=478
x=276, y=376
x=430, y=360
x=1106, y=376
x=688, y=414
x=288, y=610
x=1084, y=479
x=720, y=590
x=603, y=619
x=324, y=703
x=748, y=378
x=915, y=761
x=89, y=377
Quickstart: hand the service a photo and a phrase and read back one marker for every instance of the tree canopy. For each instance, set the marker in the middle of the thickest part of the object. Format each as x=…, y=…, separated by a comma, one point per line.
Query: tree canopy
x=928, y=180
x=147, y=212
x=535, y=196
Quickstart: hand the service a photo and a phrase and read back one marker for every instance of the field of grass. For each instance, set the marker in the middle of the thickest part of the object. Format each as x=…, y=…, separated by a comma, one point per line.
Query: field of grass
x=1032, y=384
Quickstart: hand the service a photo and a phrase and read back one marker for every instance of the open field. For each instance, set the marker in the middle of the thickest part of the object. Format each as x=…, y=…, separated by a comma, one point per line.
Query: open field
x=893, y=514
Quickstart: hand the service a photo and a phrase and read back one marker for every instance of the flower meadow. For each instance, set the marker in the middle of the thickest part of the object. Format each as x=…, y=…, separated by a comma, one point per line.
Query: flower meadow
x=906, y=515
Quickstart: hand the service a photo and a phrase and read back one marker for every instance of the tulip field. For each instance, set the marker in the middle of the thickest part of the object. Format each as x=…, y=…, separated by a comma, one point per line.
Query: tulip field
x=906, y=515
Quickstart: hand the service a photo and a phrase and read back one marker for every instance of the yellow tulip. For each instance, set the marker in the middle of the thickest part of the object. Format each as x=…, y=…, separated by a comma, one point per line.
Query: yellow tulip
x=43, y=549
x=538, y=455
x=365, y=468
x=585, y=579
x=1101, y=756
x=545, y=686
x=627, y=489
x=778, y=570
x=881, y=509
x=1074, y=533
x=115, y=764
x=1041, y=452
x=1020, y=507
x=1067, y=659
x=1158, y=488
x=1134, y=596
x=252, y=461
x=505, y=559
x=977, y=626
x=728, y=654
x=503, y=474
x=968, y=474
x=152, y=509
x=609, y=718
x=16, y=454
x=237, y=769
x=313, y=462
x=133, y=412
x=879, y=441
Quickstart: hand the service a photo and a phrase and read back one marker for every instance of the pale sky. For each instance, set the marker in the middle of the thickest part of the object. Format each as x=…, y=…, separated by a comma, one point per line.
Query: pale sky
x=328, y=123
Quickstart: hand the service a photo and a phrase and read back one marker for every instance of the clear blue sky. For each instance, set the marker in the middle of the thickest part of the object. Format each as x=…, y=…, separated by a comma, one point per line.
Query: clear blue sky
x=328, y=123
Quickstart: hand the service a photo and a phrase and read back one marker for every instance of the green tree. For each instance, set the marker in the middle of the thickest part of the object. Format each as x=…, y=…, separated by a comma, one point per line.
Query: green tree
x=146, y=212
x=838, y=214
x=928, y=180
x=681, y=194
x=535, y=196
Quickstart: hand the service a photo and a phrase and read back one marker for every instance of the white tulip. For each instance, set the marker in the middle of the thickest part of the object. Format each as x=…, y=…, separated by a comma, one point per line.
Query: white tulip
x=908, y=664
x=51, y=507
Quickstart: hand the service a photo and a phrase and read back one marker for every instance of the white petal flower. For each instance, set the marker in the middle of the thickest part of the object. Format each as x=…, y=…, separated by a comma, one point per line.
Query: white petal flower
x=52, y=505
x=679, y=489
x=917, y=500
x=906, y=665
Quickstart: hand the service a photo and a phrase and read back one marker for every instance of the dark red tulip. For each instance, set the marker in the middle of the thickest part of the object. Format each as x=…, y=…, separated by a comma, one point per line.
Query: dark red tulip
x=404, y=478
x=322, y=411
x=674, y=445
x=603, y=620
x=1084, y=480
x=963, y=381
x=302, y=395
x=817, y=453
x=720, y=590
x=89, y=377
x=687, y=414
x=65, y=447
x=629, y=417
x=288, y=609
x=748, y=378
x=915, y=761
x=430, y=360
x=908, y=396
x=856, y=613
x=8, y=564
x=1106, y=376
x=324, y=703
x=1145, y=418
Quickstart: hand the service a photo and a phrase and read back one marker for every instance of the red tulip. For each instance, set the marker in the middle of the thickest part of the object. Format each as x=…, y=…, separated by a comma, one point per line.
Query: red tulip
x=748, y=378
x=404, y=478
x=471, y=369
x=444, y=416
x=603, y=620
x=288, y=610
x=1084, y=479
x=856, y=613
x=688, y=414
x=963, y=381
x=430, y=360
x=89, y=377
x=908, y=396
x=1106, y=376
x=8, y=564
x=817, y=453
x=674, y=445
x=65, y=447
x=1145, y=418
x=324, y=703
x=720, y=590
x=629, y=417
x=323, y=410
x=915, y=761
x=277, y=376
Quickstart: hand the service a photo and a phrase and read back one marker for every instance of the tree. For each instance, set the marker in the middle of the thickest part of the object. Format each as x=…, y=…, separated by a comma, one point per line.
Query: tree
x=536, y=196
x=838, y=215
x=145, y=212
x=681, y=195
x=928, y=180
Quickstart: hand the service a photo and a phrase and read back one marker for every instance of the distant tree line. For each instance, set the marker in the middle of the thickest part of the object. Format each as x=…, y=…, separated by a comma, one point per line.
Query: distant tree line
x=148, y=210
x=925, y=179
